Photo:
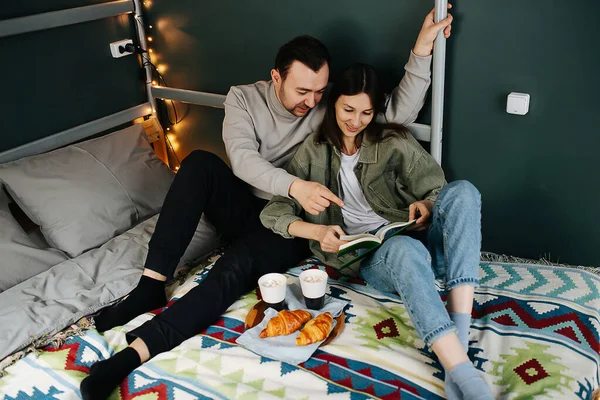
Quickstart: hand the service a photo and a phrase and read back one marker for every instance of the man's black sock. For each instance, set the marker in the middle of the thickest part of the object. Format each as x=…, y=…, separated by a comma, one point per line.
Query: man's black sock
x=106, y=375
x=147, y=296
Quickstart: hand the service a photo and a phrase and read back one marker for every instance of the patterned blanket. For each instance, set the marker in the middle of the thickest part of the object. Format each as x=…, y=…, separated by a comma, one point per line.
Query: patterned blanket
x=535, y=335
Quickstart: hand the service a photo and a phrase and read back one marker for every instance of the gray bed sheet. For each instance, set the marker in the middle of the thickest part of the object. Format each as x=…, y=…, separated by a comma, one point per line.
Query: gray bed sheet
x=58, y=297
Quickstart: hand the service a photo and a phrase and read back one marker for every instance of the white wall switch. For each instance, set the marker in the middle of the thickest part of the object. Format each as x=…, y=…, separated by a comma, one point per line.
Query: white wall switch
x=517, y=103
x=114, y=48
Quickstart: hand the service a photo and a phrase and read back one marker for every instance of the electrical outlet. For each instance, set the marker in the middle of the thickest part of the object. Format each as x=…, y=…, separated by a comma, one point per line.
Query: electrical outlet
x=517, y=103
x=114, y=48
x=153, y=129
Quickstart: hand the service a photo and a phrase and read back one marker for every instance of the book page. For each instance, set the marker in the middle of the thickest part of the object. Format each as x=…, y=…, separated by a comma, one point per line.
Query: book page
x=359, y=236
x=394, y=225
x=363, y=239
x=368, y=242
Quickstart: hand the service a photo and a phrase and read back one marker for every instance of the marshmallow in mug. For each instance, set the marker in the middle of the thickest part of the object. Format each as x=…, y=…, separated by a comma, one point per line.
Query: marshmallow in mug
x=273, y=287
x=313, y=283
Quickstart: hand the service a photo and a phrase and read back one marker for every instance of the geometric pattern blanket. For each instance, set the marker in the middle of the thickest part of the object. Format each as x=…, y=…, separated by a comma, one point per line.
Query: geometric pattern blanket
x=535, y=335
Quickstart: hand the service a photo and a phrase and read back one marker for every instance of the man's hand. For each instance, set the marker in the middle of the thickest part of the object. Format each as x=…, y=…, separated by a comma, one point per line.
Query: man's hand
x=429, y=30
x=422, y=208
x=329, y=237
x=313, y=196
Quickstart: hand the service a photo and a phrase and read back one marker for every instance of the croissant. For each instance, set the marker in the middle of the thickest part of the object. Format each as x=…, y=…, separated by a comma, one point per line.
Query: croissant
x=315, y=330
x=285, y=322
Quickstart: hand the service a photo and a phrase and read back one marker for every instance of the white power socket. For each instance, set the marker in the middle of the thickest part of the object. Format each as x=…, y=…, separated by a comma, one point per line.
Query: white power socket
x=114, y=48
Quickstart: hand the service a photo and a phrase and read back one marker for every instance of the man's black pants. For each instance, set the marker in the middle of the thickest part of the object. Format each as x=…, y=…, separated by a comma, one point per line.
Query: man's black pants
x=205, y=184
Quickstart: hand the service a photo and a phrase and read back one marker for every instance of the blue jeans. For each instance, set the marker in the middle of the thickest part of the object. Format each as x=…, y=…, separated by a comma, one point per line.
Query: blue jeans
x=409, y=267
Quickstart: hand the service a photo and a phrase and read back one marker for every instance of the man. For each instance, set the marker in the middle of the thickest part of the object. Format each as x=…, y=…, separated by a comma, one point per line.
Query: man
x=264, y=124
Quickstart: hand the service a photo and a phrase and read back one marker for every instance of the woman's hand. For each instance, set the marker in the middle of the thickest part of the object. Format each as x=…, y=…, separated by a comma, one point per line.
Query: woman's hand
x=429, y=30
x=422, y=208
x=329, y=237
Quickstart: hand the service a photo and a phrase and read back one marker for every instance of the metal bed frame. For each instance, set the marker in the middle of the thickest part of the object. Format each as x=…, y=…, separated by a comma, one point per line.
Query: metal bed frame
x=16, y=26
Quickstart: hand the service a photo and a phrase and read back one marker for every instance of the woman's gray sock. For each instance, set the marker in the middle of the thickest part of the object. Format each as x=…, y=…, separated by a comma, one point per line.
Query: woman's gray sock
x=463, y=323
x=471, y=384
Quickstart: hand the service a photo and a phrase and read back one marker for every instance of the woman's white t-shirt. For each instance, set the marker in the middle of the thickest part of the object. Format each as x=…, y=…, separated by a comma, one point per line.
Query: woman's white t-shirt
x=358, y=215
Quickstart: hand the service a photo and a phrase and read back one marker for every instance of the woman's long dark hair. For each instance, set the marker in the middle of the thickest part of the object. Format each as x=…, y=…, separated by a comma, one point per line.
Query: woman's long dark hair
x=357, y=79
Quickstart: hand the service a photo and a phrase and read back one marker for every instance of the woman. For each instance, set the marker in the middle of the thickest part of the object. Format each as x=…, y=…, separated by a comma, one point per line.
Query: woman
x=383, y=175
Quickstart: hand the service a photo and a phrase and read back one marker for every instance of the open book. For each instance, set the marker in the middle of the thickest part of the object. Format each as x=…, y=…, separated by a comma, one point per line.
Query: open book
x=369, y=241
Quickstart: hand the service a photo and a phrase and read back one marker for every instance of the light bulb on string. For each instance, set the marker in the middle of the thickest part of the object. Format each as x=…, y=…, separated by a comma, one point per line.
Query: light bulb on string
x=169, y=138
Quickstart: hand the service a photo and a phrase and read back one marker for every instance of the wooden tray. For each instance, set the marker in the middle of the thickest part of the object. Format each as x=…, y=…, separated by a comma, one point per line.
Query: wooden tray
x=257, y=313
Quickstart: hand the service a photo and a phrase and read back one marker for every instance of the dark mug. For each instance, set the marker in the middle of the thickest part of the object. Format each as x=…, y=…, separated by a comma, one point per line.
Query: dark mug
x=314, y=304
x=314, y=285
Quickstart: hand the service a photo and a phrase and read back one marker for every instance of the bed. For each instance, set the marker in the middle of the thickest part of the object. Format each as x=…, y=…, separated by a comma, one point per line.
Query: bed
x=535, y=334
x=535, y=330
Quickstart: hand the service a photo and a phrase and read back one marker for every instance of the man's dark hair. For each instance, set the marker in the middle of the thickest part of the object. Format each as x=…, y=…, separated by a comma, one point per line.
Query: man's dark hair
x=306, y=49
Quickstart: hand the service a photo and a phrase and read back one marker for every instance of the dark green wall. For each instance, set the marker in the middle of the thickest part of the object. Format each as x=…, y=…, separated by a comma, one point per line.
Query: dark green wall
x=215, y=45
x=56, y=79
x=537, y=173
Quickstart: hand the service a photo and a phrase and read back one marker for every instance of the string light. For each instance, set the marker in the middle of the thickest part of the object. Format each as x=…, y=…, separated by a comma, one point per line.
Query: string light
x=161, y=68
x=172, y=141
x=173, y=150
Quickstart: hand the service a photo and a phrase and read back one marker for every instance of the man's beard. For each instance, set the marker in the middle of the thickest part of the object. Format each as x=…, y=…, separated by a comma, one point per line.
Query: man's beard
x=295, y=109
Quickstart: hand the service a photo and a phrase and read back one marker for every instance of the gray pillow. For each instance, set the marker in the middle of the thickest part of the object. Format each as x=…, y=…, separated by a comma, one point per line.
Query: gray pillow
x=20, y=258
x=83, y=195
